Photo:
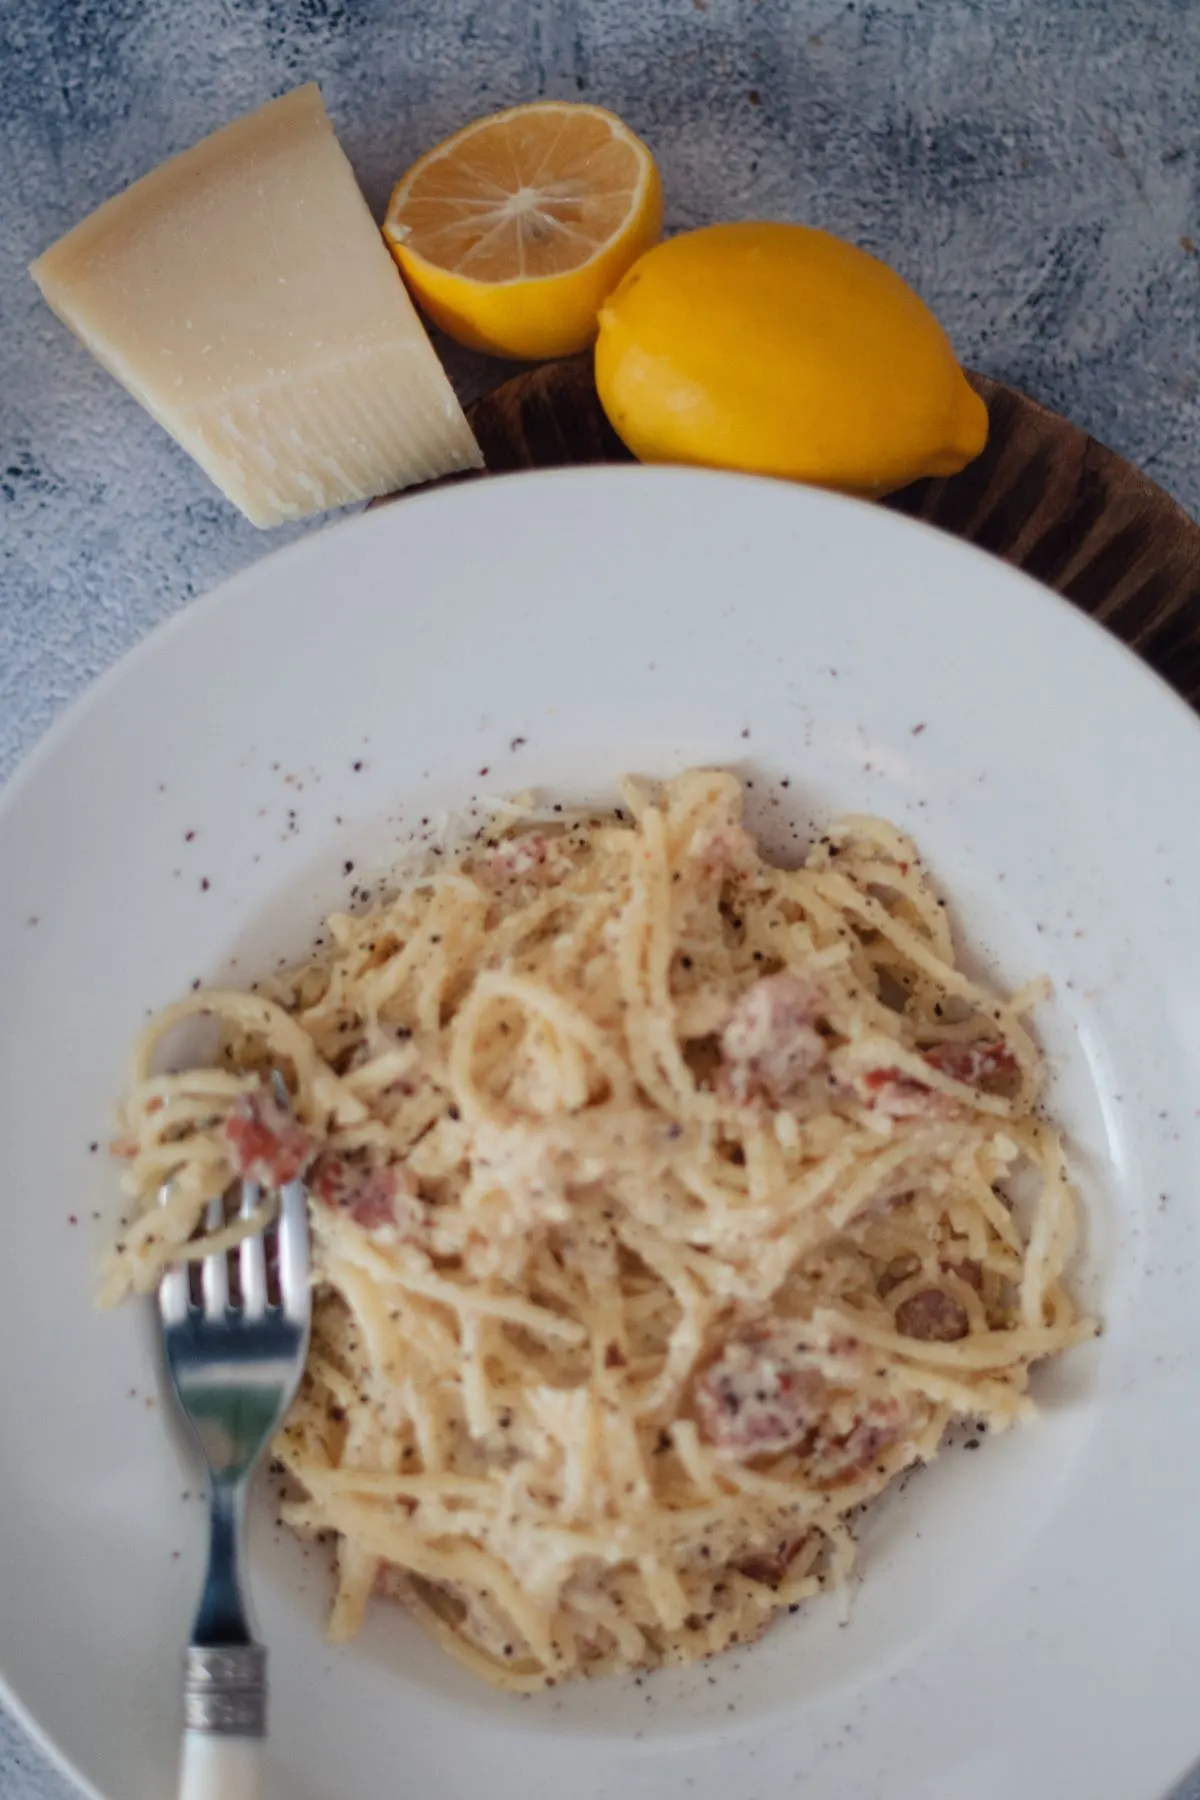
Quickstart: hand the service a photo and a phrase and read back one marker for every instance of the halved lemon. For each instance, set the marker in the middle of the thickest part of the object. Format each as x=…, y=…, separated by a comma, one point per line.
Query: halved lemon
x=513, y=233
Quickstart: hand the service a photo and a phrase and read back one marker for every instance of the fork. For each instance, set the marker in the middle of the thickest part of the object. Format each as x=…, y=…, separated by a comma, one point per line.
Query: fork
x=235, y=1359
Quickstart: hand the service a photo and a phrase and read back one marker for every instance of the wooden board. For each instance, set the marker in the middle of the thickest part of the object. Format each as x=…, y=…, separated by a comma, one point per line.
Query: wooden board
x=1044, y=496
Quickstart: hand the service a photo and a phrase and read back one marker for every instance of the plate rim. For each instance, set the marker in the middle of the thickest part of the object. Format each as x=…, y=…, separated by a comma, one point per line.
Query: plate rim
x=401, y=505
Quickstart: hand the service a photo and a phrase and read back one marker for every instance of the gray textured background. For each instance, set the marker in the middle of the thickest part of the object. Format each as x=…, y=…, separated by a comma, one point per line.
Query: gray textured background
x=1032, y=166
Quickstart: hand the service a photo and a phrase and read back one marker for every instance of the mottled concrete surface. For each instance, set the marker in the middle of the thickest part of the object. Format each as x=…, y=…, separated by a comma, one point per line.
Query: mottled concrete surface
x=1033, y=167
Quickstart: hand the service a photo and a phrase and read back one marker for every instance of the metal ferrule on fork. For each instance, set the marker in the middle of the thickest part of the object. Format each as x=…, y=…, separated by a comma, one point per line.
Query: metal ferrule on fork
x=225, y=1690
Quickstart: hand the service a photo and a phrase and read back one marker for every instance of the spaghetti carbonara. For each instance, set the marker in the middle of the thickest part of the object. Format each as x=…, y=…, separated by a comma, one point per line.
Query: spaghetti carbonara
x=663, y=1211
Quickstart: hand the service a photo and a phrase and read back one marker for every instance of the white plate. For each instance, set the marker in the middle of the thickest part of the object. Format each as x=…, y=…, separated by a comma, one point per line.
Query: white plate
x=1029, y=1618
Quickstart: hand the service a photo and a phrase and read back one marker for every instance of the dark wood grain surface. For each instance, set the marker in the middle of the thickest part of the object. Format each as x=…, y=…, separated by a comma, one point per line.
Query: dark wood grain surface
x=1044, y=496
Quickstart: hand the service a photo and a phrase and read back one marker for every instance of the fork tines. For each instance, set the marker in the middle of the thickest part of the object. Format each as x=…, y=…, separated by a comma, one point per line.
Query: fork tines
x=269, y=1267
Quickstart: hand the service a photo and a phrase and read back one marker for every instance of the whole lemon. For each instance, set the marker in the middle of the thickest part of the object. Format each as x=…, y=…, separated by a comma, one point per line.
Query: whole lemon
x=783, y=350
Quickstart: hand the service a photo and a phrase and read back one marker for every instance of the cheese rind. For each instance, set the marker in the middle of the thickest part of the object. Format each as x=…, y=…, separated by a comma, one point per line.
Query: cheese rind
x=243, y=294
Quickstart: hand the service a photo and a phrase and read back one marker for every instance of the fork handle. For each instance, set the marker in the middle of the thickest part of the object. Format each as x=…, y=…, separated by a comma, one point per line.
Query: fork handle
x=224, y=1709
x=222, y=1768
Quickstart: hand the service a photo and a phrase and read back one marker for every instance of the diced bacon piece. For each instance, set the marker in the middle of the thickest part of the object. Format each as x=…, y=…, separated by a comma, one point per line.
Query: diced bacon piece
x=770, y=1043
x=759, y=1398
x=530, y=857
x=765, y=1394
x=933, y=1316
x=267, y=1143
x=901, y=1096
x=372, y=1197
x=895, y=1093
x=974, y=1064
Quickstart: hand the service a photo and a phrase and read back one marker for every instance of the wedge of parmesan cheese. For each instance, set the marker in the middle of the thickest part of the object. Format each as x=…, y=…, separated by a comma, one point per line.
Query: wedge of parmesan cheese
x=243, y=294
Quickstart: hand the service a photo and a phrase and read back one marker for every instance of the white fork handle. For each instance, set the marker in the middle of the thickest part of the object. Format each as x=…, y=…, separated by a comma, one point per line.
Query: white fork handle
x=217, y=1767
